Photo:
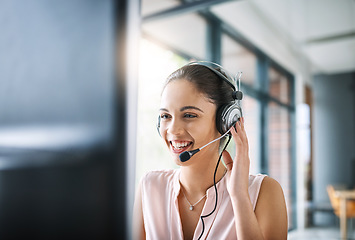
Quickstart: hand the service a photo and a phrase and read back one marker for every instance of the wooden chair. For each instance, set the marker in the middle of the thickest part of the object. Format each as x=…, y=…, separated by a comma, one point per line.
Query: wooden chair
x=335, y=202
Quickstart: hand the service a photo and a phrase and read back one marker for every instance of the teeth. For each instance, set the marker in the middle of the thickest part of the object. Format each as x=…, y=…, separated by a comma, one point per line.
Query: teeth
x=180, y=144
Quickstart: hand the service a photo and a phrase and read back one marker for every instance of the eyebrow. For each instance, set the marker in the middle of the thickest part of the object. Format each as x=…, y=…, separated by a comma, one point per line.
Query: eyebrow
x=190, y=107
x=183, y=109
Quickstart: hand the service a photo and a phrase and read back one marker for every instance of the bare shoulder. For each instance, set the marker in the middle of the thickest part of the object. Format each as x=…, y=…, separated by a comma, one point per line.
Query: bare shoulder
x=270, y=188
x=270, y=193
x=271, y=210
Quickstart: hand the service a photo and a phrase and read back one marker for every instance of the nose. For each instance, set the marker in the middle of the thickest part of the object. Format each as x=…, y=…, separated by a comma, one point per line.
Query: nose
x=175, y=127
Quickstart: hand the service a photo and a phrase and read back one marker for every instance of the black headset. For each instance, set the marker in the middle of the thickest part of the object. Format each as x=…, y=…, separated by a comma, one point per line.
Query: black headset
x=228, y=114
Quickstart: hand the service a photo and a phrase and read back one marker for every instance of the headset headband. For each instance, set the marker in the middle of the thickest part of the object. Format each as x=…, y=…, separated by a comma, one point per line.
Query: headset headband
x=233, y=82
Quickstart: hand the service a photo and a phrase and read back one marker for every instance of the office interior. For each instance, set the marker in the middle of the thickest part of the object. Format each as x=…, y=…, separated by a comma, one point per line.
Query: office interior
x=80, y=85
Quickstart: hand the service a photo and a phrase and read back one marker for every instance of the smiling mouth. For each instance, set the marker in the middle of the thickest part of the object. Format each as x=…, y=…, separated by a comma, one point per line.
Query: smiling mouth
x=180, y=146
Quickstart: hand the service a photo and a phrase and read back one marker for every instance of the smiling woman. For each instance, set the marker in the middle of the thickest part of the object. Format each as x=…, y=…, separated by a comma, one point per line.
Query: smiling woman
x=196, y=121
x=203, y=198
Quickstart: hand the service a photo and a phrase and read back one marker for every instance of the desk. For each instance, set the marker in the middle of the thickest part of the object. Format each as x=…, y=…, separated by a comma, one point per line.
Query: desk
x=343, y=196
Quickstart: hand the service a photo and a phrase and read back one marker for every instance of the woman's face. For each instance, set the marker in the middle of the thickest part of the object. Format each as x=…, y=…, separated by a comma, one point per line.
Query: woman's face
x=188, y=120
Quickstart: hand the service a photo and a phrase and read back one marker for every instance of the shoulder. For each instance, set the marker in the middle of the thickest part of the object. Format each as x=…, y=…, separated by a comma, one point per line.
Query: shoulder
x=256, y=180
x=160, y=175
x=264, y=185
x=271, y=207
x=159, y=178
x=270, y=193
x=270, y=187
x=157, y=187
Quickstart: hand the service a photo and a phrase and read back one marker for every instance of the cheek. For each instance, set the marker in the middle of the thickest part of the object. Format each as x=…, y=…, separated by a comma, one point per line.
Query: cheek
x=162, y=130
x=205, y=132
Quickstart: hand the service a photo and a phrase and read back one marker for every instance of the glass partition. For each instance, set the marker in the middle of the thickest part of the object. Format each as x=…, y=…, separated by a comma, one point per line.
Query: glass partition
x=279, y=151
x=236, y=58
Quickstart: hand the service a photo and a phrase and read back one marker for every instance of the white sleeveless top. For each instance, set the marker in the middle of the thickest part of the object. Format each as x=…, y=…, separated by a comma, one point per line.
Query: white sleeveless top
x=160, y=191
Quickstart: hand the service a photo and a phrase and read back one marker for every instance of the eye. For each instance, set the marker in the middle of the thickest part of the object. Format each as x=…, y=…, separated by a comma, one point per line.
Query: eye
x=189, y=115
x=164, y=116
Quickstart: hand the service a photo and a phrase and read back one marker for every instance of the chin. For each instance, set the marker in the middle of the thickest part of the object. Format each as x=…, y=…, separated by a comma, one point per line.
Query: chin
x=178, y=163
x=176, y=160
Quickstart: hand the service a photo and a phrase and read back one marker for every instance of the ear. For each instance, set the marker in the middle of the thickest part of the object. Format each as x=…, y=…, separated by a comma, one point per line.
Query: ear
x=158, y=125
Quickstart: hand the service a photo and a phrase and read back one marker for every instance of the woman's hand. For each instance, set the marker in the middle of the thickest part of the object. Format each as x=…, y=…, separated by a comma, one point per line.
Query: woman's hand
x=270, y=210
x=238, y=170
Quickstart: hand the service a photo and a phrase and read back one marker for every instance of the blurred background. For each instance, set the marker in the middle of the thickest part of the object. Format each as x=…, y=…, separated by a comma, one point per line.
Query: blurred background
x=64, y=90
x=80, y=85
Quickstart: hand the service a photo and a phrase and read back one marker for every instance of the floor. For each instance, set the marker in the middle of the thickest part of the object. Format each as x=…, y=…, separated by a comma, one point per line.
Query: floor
x=319, y=233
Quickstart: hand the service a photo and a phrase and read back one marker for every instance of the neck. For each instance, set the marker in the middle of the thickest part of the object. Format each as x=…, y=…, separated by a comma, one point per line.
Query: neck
x=197, y=178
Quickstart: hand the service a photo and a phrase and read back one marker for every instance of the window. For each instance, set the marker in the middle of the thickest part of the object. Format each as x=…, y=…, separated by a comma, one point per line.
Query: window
x=279, y=151
x=279, y=86
x=236, y=58
x=156, y=63
x=251, y=113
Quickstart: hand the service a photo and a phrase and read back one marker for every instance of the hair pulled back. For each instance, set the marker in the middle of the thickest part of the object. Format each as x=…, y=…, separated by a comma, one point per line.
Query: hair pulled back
x=206, y=81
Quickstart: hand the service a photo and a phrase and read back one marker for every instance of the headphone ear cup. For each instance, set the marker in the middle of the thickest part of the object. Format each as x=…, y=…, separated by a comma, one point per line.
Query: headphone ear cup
x=227, y=116
x=219, y=122
x=158, y=125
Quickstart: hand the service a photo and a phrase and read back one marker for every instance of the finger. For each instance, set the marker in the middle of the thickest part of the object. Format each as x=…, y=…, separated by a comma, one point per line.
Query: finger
x=239, y=138
x=242, y=122
x=227, y=159
x=242, y=132
x=234, y=131
x=238, y=127
x=244, y=136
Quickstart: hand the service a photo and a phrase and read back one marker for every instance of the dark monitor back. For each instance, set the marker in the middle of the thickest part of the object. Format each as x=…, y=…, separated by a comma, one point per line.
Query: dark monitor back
x=57, y=165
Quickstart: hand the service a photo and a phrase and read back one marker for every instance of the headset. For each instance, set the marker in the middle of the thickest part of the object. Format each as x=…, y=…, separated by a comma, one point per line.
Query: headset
x=228, y=114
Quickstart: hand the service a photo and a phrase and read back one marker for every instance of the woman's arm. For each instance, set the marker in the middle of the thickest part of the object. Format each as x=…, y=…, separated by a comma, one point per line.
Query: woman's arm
x=269, y=221
x=138, y=223
x=271, y=210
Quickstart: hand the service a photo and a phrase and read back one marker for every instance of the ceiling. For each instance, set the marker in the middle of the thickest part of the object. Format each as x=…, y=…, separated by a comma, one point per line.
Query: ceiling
x=320, y=32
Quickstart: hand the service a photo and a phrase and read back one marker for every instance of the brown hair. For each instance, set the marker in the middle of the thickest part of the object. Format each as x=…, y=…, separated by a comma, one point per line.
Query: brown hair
x=206, y=81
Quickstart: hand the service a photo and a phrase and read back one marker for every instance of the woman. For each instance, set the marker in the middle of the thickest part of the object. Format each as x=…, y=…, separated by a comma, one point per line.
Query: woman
x=204, y=199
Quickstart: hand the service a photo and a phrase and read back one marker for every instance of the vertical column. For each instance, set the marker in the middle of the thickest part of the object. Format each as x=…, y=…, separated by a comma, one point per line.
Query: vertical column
x=262, y=82
x=213, y=40
x=127, y=19
x=293, y=148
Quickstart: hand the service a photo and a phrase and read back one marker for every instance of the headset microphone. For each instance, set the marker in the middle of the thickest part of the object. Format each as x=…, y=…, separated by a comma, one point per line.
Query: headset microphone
x=188, y=154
